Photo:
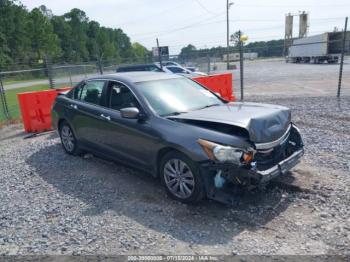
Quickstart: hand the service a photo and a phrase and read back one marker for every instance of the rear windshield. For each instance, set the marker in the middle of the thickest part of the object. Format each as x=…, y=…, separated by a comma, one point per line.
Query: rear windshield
x=149, y=68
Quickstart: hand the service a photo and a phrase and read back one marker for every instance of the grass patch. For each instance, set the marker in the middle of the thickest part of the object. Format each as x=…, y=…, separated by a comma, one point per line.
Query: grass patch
x=9, y=82
x=12, y=102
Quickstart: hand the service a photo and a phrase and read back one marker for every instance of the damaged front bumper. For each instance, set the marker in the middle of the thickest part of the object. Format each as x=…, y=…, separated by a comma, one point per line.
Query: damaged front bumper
x=220, y=176
x=281, y=168
x=252, y=172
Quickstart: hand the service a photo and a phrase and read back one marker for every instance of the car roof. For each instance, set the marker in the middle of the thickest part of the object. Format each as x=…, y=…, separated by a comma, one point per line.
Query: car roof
x=140, y=76
x=140, y=65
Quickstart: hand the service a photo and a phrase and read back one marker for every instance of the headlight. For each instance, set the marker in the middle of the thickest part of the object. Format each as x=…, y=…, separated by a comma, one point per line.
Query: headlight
x=229, y=154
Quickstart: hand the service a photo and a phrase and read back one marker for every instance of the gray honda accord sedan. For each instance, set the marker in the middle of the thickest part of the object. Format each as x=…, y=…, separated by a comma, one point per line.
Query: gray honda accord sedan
x=198, y=144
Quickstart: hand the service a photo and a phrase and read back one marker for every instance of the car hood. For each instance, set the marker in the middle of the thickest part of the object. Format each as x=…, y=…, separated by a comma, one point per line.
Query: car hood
x=264, y=122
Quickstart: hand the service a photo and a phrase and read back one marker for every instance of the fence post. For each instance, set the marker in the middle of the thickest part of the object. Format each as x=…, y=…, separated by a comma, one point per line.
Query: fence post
x=99, y=65
x=208, y=59
x=70, y=76
x=84, y=67
x=49, y=71
x=241, y=64
x=3, y=100
x=342, y=57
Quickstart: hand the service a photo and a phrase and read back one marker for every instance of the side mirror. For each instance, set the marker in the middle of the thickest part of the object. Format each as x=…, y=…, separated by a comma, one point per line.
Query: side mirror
x=130, y=112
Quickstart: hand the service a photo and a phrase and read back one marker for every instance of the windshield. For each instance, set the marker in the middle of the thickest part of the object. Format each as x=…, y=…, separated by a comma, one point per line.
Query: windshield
x=175, y=96
x=175, y=69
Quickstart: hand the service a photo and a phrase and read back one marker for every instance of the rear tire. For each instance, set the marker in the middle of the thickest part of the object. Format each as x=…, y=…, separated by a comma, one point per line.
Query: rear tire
x=181, y=178
x=68, y=139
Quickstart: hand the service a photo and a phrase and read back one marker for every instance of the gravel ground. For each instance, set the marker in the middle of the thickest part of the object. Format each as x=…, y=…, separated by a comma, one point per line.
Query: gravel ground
x=276, y=77
x=53, y=203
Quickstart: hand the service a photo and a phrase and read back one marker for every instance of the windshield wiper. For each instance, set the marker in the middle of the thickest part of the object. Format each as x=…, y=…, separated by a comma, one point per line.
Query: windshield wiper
x=174, y=114
x=182, y=112
x=208, y=106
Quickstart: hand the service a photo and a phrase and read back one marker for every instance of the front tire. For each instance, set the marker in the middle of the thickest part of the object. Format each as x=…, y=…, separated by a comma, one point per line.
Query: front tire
x=68, y=139
x=181, y=178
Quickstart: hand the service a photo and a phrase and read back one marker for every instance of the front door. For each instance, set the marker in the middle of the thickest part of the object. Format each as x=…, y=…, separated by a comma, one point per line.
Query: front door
x=127, y=139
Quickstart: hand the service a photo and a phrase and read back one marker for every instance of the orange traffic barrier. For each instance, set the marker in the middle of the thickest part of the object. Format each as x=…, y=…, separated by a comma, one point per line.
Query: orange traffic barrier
x=221, y=83
x=36, y=109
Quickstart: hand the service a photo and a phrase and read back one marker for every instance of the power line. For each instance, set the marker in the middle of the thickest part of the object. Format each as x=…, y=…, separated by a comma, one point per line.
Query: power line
x=168, y=10
x=264, y=38
x=153, y=34
x=201, y=52
x=299, y=6
x=256, y=39
x=204, y=8
x=200, y=23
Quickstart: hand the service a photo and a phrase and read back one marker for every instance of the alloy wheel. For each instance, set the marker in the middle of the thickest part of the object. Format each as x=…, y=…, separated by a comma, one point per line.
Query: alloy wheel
x=179, y=178
x=67, y=137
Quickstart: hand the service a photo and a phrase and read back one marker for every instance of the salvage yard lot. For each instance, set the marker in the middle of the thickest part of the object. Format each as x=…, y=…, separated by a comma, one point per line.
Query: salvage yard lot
x=53, y=203
x=278, y=78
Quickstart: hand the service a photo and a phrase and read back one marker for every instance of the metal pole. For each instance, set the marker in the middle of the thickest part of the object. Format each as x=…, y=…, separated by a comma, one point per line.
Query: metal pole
x=241, y=71
x=342, y=57
x=49, y=71
x=70, y=76
x=85, y=71
x=159, y=55
x=100, y=66
x=208, y=58
x=227, y=34
x=3, y=100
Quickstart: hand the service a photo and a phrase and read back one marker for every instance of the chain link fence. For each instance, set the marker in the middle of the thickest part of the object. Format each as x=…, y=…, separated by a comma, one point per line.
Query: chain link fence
x=19, y=78
x=279, y=75
x=271, y=76
x=40, y=77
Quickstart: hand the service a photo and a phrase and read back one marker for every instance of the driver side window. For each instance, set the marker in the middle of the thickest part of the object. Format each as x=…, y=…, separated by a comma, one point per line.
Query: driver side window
x=120, y=96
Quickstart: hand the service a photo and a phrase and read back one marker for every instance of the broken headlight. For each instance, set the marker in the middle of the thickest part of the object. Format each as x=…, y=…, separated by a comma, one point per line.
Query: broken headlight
x=227, y=154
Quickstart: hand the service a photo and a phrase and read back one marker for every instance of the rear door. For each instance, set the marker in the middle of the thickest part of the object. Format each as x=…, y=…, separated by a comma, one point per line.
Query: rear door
x=87, y=112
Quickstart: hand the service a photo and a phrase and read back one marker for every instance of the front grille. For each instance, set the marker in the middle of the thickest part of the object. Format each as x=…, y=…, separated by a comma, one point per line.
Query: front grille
x=267, y=158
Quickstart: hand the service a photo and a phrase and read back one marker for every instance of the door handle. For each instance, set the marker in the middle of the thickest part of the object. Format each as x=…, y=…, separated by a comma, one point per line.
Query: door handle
x=73, y=106
x=106, y=117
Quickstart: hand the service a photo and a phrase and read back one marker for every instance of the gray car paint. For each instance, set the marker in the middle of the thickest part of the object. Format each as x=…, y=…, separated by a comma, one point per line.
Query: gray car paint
x=139, y=142
x=264, y=122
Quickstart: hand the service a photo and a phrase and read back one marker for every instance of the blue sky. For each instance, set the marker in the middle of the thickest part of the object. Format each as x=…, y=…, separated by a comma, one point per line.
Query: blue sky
x=202, y=22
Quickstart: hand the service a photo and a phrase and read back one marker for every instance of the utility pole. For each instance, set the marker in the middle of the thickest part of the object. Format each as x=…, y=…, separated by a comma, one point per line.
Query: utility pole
x=240, y=42
x=159, y=55
x=228, y=4
x=342, y=57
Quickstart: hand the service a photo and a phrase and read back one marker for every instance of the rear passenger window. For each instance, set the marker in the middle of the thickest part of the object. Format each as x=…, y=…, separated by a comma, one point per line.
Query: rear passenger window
x=90, y=92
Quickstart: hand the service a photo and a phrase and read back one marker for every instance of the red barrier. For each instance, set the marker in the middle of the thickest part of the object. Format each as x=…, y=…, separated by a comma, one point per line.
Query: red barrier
x=221, y=84
x=36, y=108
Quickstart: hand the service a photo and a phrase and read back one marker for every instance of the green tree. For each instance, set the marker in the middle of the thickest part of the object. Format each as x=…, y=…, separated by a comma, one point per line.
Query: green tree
x=140, y=52
x=188, y=52
x=43, y=40
x=92, y=45
x=15, y=41
x=234, y=38
x=27, y=36
x=78, y=22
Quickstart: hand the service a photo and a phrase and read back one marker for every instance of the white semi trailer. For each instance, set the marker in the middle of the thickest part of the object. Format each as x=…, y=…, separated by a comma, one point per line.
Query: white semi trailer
x=318, y=48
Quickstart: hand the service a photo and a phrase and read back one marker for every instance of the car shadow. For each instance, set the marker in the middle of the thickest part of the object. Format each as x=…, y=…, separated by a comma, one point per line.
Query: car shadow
x=109, y=187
